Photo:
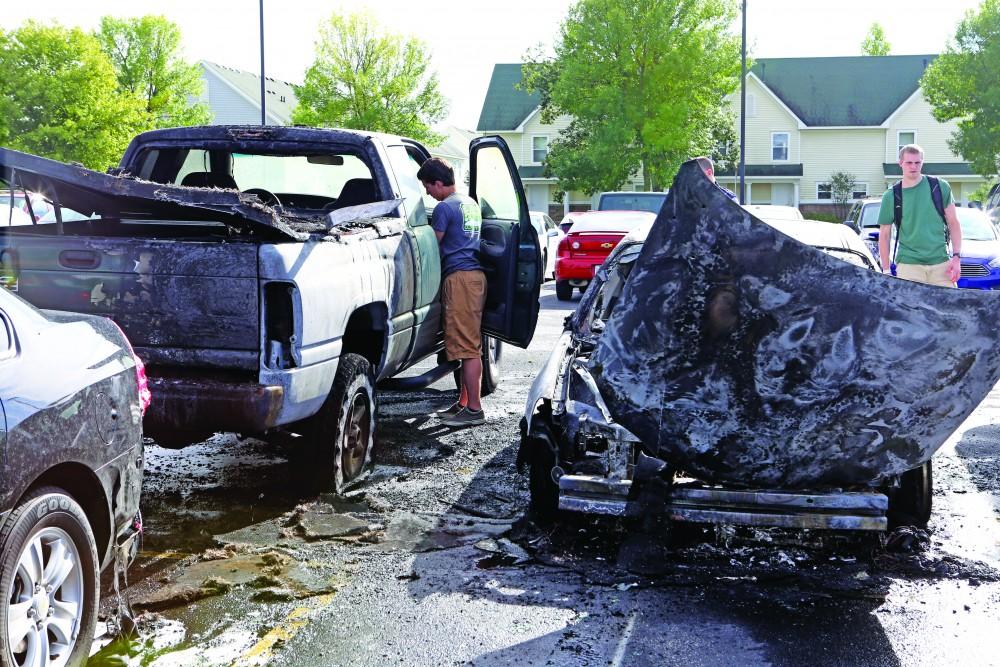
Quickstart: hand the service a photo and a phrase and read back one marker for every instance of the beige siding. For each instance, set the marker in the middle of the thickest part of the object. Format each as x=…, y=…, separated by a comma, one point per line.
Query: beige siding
x=534, y=127
x=853, y=150
x=769, y=116
x=931, y=135
x=514, y=141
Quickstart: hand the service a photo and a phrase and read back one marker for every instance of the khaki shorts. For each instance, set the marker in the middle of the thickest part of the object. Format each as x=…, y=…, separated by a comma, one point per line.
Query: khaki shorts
x=931, y=274
x=463, y=295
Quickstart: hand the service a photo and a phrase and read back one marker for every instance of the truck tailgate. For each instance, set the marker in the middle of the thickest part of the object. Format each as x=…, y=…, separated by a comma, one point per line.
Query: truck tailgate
x=181, y=302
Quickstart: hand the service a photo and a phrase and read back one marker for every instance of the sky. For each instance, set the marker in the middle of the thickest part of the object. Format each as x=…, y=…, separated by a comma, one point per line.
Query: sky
x=467, y=37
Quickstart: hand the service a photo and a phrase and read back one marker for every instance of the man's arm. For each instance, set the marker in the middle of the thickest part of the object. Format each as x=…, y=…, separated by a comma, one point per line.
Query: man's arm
x=955, y=232
x=439, y=235
x=884, y=232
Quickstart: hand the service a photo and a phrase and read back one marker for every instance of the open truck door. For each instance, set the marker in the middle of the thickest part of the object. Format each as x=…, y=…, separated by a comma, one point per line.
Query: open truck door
x=509, y=252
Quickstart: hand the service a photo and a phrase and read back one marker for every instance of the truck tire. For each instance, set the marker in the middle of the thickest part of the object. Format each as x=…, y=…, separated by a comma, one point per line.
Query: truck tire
x=910, y=503
x=49, y=600
x=492, y=358
x=543, y=490
x=564, y=291
x=338, y=440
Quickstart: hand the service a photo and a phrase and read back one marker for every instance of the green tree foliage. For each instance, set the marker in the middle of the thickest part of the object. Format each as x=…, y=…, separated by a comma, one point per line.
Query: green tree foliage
x=644, y=83
x=842, y=191
x=963, y=84
x=145, y=52
x=363, y=78
x=59, y=97
x=875, y=43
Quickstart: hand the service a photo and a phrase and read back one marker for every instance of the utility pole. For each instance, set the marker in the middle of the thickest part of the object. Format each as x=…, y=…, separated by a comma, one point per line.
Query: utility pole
x=743, y=107
x=263, y=90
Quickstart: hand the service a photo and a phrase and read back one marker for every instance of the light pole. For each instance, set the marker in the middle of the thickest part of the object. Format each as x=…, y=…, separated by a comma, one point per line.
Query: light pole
x=263, y=91
x=743, y=105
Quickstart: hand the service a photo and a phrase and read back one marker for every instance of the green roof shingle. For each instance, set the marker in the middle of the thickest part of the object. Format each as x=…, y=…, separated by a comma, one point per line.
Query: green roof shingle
x=845, y=91
x=505, y=105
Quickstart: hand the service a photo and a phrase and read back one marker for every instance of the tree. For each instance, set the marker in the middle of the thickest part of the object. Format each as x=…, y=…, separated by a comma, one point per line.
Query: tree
x=59, y=97
x=963, y=84
x=875, y=43
x=145, y=52
x=842, y=192
x=365, y=79
x=644, y=83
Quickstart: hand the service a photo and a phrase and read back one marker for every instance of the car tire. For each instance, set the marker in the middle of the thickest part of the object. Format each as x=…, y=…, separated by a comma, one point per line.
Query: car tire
x=542, y=489
x=338, y=440
x=564, y=291
x=911, y=502
x=52, y=603
x=492, y=358
x=545, y=267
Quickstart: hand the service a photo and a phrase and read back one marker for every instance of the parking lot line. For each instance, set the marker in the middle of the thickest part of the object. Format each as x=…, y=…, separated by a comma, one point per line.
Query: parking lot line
x=260, y=653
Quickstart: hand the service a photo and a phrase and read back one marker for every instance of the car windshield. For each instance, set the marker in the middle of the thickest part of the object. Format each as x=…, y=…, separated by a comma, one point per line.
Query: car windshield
x=976, y=225
x=869, y=214
x=651, y=202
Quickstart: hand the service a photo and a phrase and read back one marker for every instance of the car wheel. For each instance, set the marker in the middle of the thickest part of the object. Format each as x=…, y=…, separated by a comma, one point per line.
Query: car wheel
x=340, y=437
x=542, y=488
x=910, y=503
x=564, y=291
x=49, y=582
x=492, y=358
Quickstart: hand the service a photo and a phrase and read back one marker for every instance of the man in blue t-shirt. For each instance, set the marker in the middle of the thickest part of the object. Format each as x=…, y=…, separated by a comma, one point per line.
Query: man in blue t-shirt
x=456, y=222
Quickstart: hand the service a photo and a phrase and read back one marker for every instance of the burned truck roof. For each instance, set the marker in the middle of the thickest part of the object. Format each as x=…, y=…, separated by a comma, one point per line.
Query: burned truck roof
x=188, y=174
x=744, y=356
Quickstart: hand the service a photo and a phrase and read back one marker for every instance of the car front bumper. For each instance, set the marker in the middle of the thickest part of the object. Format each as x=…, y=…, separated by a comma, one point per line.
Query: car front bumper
x=979, y=275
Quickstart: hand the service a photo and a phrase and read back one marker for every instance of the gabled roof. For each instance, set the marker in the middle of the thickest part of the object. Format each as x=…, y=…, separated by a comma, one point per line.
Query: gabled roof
x=845, y=91
x=280, y=100
x=505, y=105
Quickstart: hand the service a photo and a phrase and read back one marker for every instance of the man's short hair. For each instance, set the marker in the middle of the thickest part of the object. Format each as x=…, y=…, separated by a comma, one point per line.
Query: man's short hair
x=705, y=163
x=911, y=148
x=436, y=169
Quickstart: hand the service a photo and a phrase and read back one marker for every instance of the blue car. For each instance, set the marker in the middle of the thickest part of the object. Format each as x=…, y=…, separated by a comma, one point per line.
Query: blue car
x=980, y=250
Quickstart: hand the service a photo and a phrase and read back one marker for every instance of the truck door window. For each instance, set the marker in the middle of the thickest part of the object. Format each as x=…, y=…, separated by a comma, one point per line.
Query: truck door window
x=405, y=167
x=494, y=187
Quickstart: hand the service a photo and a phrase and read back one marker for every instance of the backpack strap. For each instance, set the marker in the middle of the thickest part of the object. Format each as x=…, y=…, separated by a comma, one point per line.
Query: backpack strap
x=897, y=204
x=938, y=200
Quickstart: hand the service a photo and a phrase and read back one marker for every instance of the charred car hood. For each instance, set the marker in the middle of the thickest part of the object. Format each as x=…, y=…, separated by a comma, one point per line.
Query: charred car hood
x=93, y=193
x=744, y=356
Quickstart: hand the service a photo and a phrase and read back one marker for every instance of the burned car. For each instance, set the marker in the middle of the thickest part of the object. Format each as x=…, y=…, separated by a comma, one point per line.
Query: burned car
x=763, y=379
x=72, y=395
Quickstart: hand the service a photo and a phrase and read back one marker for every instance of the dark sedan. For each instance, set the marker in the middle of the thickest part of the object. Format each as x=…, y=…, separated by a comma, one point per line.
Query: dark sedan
x=72, y=396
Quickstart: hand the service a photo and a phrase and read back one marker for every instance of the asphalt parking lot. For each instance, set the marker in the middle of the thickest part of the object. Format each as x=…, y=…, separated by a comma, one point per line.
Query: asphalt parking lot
x=429, y=562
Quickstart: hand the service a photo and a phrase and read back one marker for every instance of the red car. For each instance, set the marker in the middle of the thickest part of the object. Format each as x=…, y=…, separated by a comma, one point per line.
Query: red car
x=590, y=239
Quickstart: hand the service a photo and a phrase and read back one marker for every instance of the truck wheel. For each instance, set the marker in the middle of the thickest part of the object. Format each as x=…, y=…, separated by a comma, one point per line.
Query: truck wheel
x=910, y=504
x=492, y=358
x=564, y=291
x=339, y=438
x=48, y=582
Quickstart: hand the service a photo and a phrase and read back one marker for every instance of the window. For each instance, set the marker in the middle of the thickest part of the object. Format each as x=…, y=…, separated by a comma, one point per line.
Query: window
x=824, y=191
x=779, y=146
x=495, y=187
x=539, y=148
x=860, y=191
x=904, y=137
x=405, y=166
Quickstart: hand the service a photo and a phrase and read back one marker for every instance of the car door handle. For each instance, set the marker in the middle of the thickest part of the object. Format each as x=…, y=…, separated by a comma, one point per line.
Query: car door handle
x=79, y=259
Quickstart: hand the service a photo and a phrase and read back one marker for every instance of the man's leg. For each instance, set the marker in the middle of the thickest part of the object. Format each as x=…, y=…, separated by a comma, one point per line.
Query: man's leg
x=472, y=378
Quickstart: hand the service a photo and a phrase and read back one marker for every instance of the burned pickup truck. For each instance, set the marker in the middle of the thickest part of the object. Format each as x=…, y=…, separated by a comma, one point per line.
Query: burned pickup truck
x=270, y=277
x=725, y=370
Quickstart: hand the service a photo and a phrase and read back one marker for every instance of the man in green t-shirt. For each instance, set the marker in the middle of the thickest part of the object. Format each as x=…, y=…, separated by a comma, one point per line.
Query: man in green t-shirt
x=922, y=253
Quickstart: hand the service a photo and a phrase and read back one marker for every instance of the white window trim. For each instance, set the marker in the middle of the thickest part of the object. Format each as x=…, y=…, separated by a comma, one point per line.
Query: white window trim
x=899, y=144
x=857, y=188
x=824, y=199
x=531, y=147
x=788, y=146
